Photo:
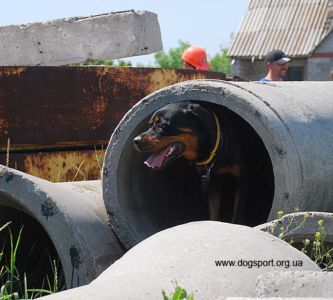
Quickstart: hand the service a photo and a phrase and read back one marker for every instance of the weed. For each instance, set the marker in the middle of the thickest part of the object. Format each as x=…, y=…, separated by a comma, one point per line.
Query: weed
x=99, y=158
x=317, y=249
x=316, y=246
x=179, y=294
x=7, y=152
x=78, y=170
x=287, y=229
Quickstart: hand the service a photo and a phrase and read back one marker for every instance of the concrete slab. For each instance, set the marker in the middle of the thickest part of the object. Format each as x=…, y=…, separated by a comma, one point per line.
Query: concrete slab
x=73, y=40
x=295, y=284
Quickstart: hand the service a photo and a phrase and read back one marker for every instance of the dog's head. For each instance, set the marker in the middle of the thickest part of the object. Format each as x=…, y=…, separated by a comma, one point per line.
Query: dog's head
x=177, y=129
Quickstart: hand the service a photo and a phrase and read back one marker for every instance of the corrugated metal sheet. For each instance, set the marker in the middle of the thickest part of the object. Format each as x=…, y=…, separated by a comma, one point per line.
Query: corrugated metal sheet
x=296, y=26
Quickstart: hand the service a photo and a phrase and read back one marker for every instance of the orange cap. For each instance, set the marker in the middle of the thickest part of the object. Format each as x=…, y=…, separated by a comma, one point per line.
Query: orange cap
x=196, y=57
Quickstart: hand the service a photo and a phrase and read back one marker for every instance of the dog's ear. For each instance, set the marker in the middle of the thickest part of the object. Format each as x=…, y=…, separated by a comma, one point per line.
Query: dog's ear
x=194, y=109
x=206, y=118
x=204, y=114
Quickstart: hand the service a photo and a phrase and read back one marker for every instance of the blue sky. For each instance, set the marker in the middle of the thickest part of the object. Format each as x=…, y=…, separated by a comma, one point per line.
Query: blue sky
x=207, y=23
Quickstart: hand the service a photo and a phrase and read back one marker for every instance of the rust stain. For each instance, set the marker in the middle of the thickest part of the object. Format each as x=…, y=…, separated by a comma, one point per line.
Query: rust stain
x=100, y=104
x=20, y=148
x=65, y=166
x=3, y=124
x=161, y=78
x=11, y=71
x=102, y=74
x=98, y=111
x=102, y=71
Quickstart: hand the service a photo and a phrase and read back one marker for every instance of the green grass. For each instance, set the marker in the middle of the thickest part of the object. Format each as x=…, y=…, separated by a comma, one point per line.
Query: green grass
x=13, y=282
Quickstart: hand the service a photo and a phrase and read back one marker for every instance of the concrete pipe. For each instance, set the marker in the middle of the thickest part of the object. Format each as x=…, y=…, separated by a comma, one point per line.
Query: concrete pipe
x=61, y=221
x=291, y=124
x=300, y=226
x=214, y=260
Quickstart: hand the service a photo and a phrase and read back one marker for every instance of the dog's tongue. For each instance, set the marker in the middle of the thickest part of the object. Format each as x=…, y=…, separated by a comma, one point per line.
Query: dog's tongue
x=156, y=159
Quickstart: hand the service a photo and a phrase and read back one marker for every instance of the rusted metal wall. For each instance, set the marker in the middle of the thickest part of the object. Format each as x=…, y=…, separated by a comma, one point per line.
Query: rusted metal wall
x=59, y=119
x=56, y=166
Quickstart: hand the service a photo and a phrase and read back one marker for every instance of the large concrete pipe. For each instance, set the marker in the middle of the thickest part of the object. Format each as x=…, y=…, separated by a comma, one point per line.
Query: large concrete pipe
x=214, y=260
x=61, y=221
x=291, y=124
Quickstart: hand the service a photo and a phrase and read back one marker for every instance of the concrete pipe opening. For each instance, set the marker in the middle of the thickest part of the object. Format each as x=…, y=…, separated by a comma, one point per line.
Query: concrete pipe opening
x=68, y=220
x=36, y=256
x=279, y=119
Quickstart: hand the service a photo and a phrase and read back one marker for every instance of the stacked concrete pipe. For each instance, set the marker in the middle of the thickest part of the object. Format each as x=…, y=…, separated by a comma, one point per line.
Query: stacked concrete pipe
x=61, y=221
x=291, y=124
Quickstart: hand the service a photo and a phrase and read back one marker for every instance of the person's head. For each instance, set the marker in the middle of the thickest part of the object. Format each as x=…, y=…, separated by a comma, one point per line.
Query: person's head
x=277, y=64
x=195, y=58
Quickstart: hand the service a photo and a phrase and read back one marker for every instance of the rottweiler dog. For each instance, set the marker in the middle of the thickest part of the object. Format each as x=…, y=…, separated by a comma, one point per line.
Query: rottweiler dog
x=211, y=142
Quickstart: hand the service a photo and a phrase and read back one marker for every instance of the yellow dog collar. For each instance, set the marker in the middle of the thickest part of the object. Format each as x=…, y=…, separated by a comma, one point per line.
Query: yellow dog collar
x=213, y=153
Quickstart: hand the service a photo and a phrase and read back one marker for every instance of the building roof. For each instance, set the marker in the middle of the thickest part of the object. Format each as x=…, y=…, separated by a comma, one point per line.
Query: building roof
x=295, y=26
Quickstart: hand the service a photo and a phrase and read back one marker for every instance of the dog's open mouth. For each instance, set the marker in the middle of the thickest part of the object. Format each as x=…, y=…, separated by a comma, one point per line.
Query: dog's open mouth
x=163, y=158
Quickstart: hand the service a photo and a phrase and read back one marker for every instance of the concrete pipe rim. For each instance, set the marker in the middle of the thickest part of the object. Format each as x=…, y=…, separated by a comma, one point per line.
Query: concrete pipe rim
x=299, y=226
x=42, y=209
x=233, y=96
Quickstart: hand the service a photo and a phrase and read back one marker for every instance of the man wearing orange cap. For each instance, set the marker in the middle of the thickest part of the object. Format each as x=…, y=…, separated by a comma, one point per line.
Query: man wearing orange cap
x=195, y=58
